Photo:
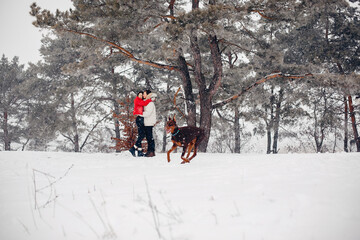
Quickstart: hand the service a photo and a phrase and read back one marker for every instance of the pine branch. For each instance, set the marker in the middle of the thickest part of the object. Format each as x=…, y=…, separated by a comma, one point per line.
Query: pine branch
x=252, y=36
x=264, y=79
x=262, y=14
x=106, y=99
x=125, y=52
x=222, y=117
x=236, y=45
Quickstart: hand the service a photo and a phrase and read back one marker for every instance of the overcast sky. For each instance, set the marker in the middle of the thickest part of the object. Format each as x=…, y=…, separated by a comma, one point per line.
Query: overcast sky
x=18, y=37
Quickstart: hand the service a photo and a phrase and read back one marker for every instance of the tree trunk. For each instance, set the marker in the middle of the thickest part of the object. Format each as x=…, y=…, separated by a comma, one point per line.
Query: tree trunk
x=205, y=119
x=206, y=99
x=270, y=123
x=195, y=4
x=268, y=149
x=116, y=122
x=189, y=97
x=74, y=124
x=319, y=128
x=7, y=140
x=346, y=131
x=237, y=148
x=277, y=121
x=164, y=136
x=352, y=114
x=318, y=146
x=116, y=107
x=268, y=130
x=353, y=123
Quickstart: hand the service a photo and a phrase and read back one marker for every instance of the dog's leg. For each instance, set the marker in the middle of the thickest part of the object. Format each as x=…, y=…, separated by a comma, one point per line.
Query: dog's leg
x=172, y=149
x=186, y=146
x=195, y=150
x=196, y=144
x=191, y=146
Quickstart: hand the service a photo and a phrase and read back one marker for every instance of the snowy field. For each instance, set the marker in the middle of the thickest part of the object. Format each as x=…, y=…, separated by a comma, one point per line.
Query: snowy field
x=46, y=195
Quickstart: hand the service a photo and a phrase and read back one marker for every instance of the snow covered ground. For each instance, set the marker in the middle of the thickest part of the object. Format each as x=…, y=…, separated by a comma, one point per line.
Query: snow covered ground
x=48, y=195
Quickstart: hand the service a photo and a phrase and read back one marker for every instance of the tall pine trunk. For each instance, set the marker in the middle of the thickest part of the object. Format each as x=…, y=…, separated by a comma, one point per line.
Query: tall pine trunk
x=116, y=107
x=7, y=140
x=352, y=114
x=319, y=128
x=205, y=119
x=277, y=121
x=164, y=136
x=346, y=131
x=188, y=91
x=270, y=122
x=268, y=134
x=74, y=124
x=353, y=123
x=206, y=93
x=237, y=147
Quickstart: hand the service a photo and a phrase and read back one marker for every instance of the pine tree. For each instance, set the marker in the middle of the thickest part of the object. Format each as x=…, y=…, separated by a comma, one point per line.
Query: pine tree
x=331, y=32
x=156, y=34
x=74, y=95
x=42, y=118
x=324, y=108
x=191, y=41
x=12, y=82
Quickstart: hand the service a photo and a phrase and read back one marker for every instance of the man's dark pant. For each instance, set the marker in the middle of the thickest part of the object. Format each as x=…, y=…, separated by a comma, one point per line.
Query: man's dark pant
x=141, y=131
x=150, y=138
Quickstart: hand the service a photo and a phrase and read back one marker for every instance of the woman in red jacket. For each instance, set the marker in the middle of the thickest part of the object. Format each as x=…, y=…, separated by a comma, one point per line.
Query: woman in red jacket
x=139, y=104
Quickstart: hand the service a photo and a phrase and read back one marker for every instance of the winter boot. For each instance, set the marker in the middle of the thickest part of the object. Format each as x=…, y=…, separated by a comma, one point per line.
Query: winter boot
x=150, y=154
x=140, y=153
x=132, y=151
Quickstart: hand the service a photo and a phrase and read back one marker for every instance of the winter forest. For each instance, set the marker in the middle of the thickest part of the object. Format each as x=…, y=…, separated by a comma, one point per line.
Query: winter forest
x=259, y=76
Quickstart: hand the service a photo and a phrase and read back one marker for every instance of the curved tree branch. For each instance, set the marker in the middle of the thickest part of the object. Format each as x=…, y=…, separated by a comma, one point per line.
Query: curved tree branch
x=125, y=52
x=262, y=80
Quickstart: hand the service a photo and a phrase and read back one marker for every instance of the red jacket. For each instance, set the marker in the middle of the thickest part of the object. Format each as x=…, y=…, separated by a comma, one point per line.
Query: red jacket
x=139, y=105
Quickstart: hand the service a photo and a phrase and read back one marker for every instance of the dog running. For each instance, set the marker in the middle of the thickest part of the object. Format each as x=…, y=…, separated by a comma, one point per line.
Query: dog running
x=187, y=137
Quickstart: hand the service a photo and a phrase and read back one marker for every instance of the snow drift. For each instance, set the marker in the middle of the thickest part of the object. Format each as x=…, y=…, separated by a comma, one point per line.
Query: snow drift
x=48, y=195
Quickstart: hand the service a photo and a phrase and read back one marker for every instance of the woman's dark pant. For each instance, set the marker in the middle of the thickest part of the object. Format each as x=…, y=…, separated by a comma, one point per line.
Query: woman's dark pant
x=141, y=131
x=150, y=138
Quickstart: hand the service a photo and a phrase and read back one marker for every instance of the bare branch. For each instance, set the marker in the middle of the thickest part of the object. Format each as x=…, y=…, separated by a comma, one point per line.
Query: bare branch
x=177, y=108
x=236, y=45
x=88, y=135
x=262, y=14
x=68, y=137
x=264, y=79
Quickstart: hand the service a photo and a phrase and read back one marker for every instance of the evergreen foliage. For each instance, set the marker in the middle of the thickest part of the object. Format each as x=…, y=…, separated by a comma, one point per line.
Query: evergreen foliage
x=13, y=96
x=102, y=51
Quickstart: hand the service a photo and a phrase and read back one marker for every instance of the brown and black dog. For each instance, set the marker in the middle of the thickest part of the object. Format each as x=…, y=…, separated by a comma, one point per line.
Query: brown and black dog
x=187, y=137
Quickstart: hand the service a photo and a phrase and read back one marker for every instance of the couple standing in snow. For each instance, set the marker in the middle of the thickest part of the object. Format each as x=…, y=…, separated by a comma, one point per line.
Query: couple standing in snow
x=145, y=112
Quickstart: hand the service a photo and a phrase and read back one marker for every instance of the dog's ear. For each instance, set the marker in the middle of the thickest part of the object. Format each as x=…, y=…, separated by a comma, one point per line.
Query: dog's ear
x=169, y=118
x=174, y=118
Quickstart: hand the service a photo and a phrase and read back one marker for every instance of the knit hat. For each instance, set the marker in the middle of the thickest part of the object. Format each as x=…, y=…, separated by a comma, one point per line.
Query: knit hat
x=151, y=95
